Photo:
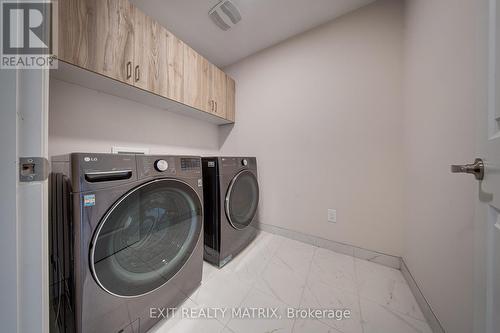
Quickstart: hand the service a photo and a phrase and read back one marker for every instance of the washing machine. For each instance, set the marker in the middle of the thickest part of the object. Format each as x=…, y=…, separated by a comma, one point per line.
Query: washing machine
x=231, y=198
x=126, y=239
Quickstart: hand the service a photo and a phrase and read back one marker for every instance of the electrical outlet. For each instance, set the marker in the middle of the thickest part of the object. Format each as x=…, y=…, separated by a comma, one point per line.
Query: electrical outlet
x=332, y=215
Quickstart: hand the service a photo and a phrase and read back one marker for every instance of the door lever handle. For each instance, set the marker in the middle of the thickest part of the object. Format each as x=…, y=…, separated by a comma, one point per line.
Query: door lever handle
x=476, y=168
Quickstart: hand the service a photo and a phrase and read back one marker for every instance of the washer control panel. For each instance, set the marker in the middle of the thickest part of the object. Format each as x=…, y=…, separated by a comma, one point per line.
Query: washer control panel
x=168, y=166
x=190, y=163
x=163, y=166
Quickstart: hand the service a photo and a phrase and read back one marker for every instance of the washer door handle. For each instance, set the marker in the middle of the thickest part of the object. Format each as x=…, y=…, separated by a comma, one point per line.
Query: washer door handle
x=107, y=176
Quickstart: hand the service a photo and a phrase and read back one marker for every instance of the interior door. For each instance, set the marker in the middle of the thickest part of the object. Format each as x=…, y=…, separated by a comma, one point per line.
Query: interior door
x=150, y=54
x=487, y=224
x=98, y=36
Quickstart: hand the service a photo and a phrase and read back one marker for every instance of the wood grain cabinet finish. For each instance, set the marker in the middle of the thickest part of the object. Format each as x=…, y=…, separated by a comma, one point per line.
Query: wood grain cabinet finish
x=196, y=80
x=98, y=35
x=218, y=91
x=175, y=62
x=115, y=39
x=150, y=55
x=158, y=58
x=230, y=98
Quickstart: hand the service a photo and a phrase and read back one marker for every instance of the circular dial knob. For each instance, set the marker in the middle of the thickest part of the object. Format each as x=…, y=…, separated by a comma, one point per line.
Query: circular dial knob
x=161, y=165
x=244, y=162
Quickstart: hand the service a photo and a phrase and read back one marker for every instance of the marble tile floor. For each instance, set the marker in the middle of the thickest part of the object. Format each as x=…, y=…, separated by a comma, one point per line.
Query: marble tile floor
x=279, y=274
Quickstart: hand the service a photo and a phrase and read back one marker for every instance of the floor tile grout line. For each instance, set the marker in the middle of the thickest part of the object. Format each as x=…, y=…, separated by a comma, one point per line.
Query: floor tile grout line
x=241, y=302
x=314, y=247
x=250, y=289
x=273, y=255
x=355, y=293
x=306, y=282
x=391, y=308
x=251, y=285
x=211, y=275
x=356, y=282
x=343, y=290
x=378, y=302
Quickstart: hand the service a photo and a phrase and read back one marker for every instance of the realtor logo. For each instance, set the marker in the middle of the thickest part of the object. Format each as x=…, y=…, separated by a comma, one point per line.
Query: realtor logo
x=28, y=31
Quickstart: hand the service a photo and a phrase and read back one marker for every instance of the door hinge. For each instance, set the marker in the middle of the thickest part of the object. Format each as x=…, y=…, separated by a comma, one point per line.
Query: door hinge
x=33, y=169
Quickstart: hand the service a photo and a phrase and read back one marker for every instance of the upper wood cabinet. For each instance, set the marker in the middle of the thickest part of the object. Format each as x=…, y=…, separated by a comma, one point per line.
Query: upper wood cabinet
x=230, y=98
x=204, y=84
x=150, y=55
x=218, y=91
x=196, y=80
x=158, y=58
x=98, y=35
x=115, y=39
x=175, y=61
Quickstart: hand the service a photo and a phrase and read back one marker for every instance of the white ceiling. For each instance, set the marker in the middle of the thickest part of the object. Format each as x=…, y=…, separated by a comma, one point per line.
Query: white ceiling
x=264, y=23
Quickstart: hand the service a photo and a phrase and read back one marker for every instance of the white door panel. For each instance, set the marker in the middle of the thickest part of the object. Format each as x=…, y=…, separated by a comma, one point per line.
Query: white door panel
x=23, y=206
x=487, y=224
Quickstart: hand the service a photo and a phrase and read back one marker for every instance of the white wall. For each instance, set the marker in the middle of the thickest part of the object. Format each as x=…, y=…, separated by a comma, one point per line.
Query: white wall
x=322, y=112
x=441, y=47
x=9, y=275
x=84, y=120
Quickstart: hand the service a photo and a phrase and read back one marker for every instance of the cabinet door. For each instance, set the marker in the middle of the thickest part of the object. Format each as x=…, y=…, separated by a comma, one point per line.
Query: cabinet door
x=175, y=62
x=218, y=91
x=98, y=36
x=150, y=54
x=230, y=99
x=196, y=80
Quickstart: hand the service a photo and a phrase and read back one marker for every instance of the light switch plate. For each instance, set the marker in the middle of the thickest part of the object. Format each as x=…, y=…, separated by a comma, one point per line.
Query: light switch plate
x=332, y=215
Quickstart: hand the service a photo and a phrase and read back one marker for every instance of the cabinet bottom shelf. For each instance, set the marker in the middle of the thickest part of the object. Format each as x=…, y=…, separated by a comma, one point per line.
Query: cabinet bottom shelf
x=88, y=79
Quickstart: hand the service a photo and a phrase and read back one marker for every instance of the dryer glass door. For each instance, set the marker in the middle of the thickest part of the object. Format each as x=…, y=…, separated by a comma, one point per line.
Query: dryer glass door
x=146, y=237
x=242, y=199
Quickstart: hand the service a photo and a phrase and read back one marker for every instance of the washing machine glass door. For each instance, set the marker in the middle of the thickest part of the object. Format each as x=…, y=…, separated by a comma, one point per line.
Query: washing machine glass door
x=146, y=237
x=242, y=199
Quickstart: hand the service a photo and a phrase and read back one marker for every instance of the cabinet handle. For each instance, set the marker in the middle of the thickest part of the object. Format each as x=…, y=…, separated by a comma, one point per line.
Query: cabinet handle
x=211, y=105
x=137, y=73
x=129, y=70
x=215, y=106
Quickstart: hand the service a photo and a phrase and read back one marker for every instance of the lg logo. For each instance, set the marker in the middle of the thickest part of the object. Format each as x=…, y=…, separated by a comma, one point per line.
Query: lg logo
x=90, y=159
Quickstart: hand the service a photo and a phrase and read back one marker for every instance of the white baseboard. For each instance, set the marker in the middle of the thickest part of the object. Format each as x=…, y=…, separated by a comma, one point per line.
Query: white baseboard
x=422, y=302
x=374, y=256
x=357, y=252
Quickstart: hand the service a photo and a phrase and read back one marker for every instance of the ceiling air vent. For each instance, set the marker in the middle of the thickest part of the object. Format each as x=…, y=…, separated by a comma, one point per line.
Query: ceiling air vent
x=225, y=14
